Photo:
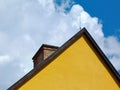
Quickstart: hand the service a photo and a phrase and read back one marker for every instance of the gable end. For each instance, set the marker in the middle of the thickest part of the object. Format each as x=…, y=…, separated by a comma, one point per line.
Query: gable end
x=44, y=63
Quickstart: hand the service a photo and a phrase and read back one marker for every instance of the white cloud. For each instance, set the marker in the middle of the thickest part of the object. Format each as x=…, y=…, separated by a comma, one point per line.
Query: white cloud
x=4, y=58
x=26, y=24
x=112, y=50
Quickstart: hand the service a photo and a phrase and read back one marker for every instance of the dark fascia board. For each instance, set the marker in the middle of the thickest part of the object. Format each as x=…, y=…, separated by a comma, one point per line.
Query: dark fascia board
x=103, y=56
x=44, y=63
x=40, y=49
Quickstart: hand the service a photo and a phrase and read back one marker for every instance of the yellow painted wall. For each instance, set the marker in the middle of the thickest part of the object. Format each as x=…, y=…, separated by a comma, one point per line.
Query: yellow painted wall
x=77, y=68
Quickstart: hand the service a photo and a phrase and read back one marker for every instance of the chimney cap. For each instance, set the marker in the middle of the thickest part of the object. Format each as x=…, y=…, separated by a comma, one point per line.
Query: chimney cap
x=41, y=48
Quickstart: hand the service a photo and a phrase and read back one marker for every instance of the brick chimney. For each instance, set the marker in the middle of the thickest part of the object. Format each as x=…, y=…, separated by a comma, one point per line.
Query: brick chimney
x=44, y=52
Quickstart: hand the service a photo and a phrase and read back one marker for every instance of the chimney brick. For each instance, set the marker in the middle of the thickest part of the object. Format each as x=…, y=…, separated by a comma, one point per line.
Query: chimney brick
x=44, y=52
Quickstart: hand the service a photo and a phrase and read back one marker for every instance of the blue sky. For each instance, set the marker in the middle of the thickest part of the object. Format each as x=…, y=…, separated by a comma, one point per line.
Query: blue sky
x=26, y=24
x=107, y=11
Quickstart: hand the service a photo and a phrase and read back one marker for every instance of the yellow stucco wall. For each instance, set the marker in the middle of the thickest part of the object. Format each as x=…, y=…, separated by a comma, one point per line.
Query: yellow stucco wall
x=77, y=68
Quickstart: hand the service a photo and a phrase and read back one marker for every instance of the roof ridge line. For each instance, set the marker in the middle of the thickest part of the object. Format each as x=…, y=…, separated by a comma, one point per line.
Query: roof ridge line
x=44, y=63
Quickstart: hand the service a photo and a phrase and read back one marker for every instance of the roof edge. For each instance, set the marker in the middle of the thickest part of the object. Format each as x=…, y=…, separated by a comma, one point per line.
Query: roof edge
x=107, y=61
x=44, y=63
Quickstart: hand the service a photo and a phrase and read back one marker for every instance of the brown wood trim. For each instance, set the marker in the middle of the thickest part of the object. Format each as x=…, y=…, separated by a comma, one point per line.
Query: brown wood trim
x=44, y=63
